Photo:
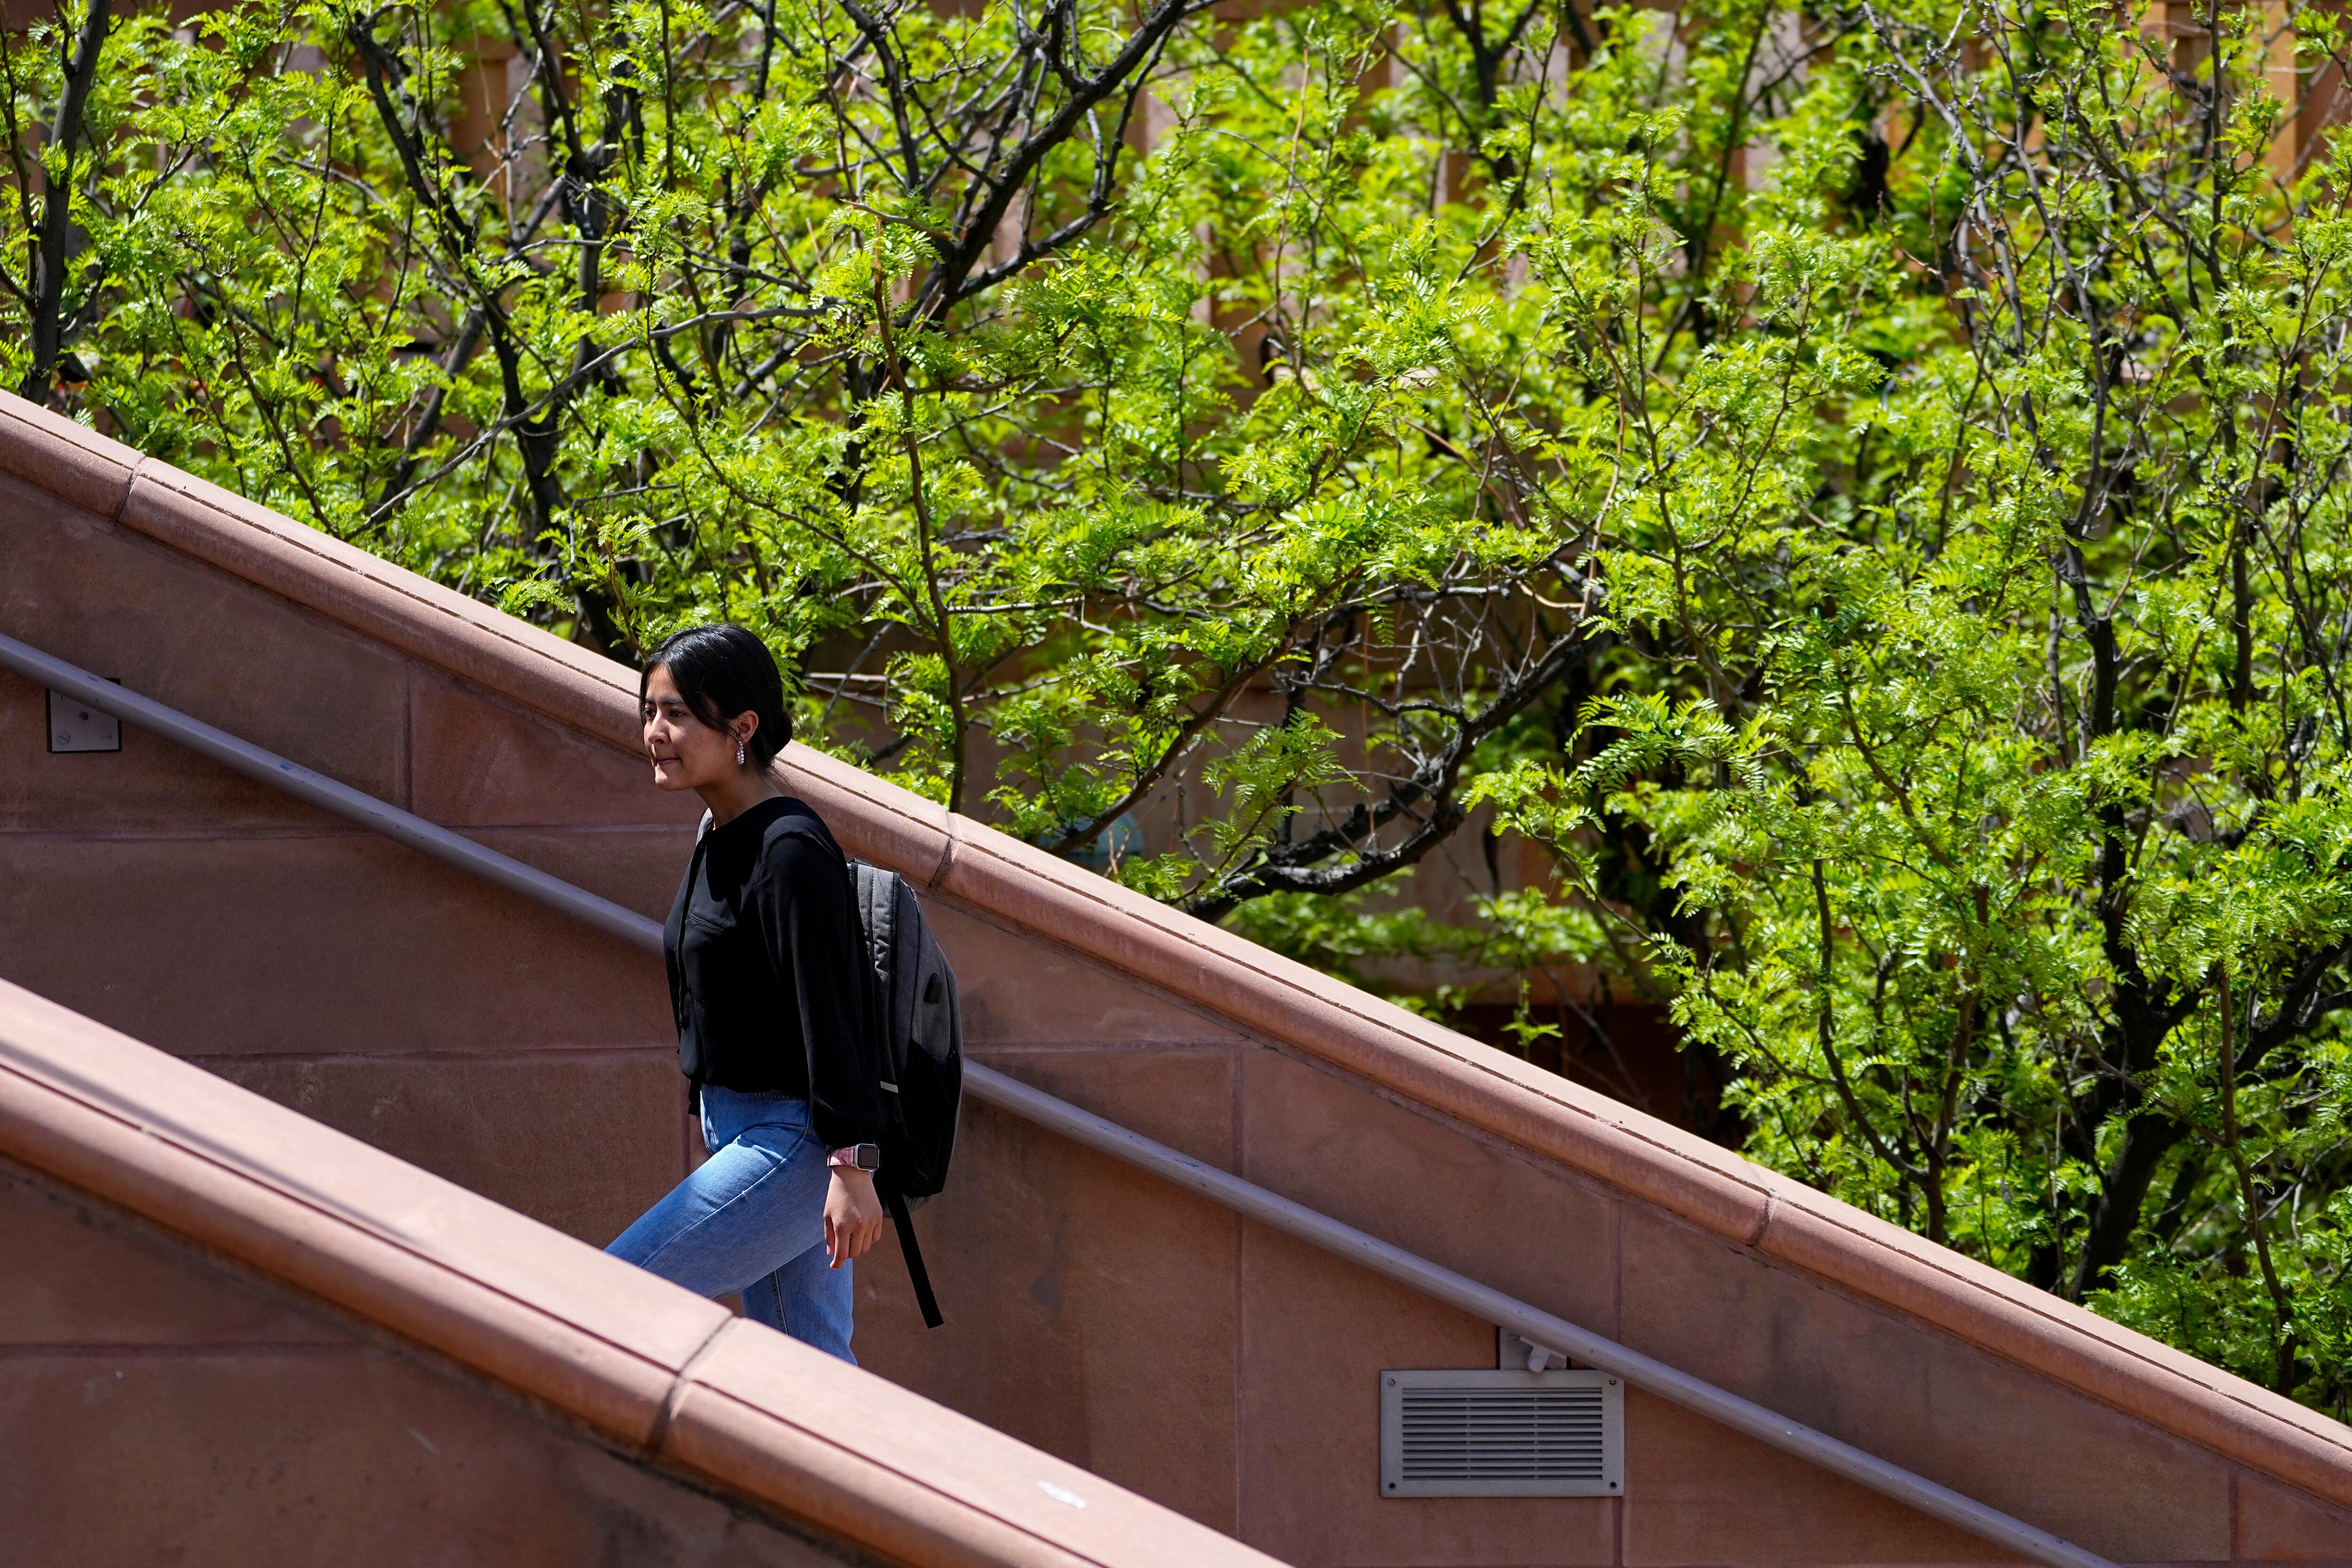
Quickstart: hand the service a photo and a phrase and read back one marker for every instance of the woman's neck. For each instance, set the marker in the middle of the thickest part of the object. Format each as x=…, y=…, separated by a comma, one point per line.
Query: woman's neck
x=731, y=796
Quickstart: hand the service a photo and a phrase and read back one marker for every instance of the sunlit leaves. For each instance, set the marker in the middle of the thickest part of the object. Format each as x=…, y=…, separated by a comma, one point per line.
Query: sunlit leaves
x=1951, y=446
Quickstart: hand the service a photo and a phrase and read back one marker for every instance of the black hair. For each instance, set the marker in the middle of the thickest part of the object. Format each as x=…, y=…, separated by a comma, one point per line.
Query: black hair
x=724, y=673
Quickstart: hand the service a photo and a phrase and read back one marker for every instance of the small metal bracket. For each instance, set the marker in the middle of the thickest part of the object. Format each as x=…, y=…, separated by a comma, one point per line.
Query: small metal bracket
x=1513, y=1353
x=75, y=726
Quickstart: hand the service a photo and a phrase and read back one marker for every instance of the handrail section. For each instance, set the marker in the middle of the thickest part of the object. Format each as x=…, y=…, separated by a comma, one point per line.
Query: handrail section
x=1009, y=1094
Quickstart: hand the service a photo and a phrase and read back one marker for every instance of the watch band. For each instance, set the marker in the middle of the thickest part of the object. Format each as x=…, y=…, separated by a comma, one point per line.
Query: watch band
x=856, y=1157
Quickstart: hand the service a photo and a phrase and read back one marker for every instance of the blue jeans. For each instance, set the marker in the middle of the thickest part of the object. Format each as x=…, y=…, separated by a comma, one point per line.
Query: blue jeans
x=751, y=1218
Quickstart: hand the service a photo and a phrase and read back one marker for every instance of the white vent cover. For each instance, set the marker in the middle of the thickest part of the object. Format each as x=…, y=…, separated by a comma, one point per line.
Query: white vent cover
x=1502, y=1434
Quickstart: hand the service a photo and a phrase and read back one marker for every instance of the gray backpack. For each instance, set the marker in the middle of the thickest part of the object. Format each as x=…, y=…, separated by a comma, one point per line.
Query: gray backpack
x=918, y=1042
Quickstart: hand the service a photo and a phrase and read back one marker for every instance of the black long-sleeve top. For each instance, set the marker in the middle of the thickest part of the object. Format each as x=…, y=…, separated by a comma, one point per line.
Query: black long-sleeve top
x=765, y=962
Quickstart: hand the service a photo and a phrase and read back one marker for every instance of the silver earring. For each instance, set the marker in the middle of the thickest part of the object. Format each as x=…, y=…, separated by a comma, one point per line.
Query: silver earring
x=738, y=753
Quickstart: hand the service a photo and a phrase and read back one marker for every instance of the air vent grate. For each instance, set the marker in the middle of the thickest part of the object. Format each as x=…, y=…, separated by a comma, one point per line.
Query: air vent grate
x=1502, y=1434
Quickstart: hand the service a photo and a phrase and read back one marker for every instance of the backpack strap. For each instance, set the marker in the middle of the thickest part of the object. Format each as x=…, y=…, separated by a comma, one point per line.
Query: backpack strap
x=875, y=923
x=916, y=1272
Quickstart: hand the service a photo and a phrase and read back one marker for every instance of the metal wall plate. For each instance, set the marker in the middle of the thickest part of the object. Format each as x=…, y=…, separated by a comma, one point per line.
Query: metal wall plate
x=75, y=726
x=1502, y=1434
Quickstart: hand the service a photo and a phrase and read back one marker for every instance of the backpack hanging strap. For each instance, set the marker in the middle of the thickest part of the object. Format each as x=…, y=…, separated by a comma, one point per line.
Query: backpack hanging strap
x=905, y=1221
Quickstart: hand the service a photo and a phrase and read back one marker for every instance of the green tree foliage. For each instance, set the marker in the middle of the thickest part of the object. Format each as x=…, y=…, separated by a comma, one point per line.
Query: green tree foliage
x=1868, y=488
x=817, y=317
x=1989, y=790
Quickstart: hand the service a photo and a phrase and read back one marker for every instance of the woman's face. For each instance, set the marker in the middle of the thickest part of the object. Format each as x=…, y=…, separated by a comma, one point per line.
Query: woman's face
x=687, y=752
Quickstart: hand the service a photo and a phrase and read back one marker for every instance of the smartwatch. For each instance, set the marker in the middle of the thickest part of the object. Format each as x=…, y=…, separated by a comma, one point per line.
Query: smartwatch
x=856, y=1157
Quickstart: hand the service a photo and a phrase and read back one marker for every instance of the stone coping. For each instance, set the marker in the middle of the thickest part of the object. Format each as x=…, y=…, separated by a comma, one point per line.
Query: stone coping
x=1264, y=995
x=650, y=1368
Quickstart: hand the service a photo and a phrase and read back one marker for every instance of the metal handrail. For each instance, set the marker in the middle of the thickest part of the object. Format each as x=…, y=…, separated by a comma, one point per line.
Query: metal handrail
x=324, y=793
x=1009, y=1094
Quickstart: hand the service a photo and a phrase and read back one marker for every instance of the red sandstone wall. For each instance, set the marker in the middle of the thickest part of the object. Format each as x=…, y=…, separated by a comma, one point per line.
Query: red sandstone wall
x=217, y=1428
x=160, y=1406
x=1152, y=1337
x=470, y=1032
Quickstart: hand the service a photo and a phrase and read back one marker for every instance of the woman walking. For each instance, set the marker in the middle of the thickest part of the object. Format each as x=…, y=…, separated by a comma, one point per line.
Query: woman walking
x=764, y=957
